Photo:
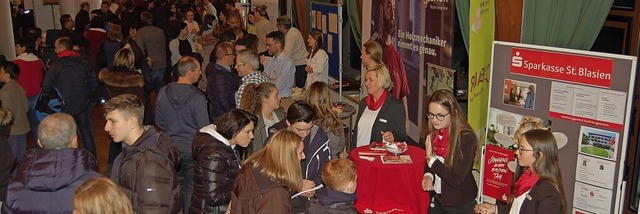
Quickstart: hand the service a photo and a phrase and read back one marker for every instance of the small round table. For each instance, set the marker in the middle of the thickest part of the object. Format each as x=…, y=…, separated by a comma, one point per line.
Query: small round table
x=390, y=187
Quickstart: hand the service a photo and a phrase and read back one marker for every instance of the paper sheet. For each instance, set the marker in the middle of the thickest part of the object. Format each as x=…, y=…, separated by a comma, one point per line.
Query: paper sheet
x=333, y=23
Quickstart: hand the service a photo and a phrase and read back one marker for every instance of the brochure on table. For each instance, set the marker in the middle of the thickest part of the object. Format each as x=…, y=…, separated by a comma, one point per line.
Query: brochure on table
x=583, y=97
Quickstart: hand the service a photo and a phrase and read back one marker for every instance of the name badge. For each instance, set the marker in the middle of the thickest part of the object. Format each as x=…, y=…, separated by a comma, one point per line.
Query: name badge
x=382, y=120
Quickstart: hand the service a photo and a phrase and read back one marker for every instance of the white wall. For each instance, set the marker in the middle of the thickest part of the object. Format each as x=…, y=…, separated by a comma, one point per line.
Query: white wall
x=47, y=16
x=7, y=46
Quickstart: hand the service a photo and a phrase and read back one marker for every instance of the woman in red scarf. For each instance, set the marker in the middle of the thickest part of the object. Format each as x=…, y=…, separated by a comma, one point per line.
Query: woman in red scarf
x=451, y=149
x=539, y=189
x=380, y=115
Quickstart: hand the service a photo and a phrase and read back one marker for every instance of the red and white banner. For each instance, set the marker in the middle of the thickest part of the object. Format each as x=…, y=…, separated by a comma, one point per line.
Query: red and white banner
x=561, y=66
x=497, y=175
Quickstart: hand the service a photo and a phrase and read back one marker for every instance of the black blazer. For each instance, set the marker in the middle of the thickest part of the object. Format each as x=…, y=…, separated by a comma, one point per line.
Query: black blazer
x=390, y=118
x=542, y=198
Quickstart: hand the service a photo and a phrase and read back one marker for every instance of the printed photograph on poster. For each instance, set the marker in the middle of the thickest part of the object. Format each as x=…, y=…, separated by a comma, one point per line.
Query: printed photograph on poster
x=598, y=107
x=593, y=199
x=439, y=77
x=595, y=171
x=598, y=142
x=313, y=19
x=519, y=93
x=333, y=23
x=504, y=126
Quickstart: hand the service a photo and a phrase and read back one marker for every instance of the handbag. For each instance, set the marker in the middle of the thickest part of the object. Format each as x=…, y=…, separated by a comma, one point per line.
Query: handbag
x=48, y=102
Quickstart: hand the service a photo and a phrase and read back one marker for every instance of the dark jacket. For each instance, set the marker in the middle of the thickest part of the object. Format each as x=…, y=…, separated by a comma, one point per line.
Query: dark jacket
x=255, y=193
x=181, y=111
x=46, y=179
x=75, y=80
x=543, y=198
x=146, y=172
x=216, y=166
x=317, y=152
x=260, y=133
x=221, y=88
x=331, y=201
x=118, y=81
x=7, y=160
x=458, y=184
x=391, y=117
x=82, y=20
x=110, y=49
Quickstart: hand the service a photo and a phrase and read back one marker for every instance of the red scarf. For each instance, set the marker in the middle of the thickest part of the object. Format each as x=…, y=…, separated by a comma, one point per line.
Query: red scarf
x=525, y=182
x=441, y=142
x=67, y=53
x=375, y=105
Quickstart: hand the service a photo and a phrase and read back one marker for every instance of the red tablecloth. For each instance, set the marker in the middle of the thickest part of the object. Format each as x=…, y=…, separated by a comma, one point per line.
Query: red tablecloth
x=390, y=188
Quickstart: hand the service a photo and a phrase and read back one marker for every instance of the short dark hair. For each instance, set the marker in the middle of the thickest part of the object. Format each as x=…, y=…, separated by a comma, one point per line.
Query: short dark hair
x=233, y=121
x=227, y=36
x=96, y=22
x=66, y=42
x=146, y=17
x=277, y=36
x=300, y=111
x=64, y=19
x=285, y=21
x=27, y=43
x=11, y=68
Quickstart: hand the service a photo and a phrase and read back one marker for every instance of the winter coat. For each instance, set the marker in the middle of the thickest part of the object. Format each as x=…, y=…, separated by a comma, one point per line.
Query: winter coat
x=216, y=166
x=332, y=202
x=255, y=193
x=152, y=42
x=260, y=133
x=46, y=179
x=13, y=97
x=222, y=85
x=75, y=80
x=31, y=74
x=7, y=160
x=118, y=81
x=146, y=172
x=181, y=110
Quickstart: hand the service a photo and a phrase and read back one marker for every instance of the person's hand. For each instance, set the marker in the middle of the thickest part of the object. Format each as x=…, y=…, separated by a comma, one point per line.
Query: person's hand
x=427, y=183
x=309, y=69
x=428, y=148
x=485, y=208
x=262, y=60
x=308, y=184
x=387, y=136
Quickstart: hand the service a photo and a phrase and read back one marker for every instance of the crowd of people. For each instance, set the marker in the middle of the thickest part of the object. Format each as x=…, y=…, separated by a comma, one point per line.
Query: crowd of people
x=223, y=133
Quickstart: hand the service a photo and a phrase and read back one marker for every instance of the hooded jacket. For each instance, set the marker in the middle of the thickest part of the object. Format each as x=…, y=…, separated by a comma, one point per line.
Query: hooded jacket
x=74, y=79
x=118, y=81
x=255, y=193
x=146, y=172
x=331, y=201
x=317, y=152
x=216, y=166
x=46, y=179
x=181, y=111
x=7, y=160
x=31, y=73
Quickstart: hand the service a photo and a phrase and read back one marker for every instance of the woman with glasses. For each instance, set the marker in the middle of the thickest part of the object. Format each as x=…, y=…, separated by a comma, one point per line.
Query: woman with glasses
x=540, y=184
x=381, y=117
x=450, y=151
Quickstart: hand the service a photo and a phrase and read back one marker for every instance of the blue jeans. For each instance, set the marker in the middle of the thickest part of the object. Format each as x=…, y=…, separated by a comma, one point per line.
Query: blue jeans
x=185, y=173
x=33, y=119
x=158, y=79
x=83, y=121
x=18, y=145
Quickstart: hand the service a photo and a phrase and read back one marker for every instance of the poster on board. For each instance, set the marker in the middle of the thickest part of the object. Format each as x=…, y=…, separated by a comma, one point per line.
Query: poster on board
x=571, y=93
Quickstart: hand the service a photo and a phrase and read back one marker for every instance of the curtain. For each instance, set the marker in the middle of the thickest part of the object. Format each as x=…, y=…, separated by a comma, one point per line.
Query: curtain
x=568, y=23
x=462, y=9
x=354, y=19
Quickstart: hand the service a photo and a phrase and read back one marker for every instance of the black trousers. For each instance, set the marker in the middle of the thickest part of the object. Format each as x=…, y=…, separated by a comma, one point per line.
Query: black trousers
x=301, y=76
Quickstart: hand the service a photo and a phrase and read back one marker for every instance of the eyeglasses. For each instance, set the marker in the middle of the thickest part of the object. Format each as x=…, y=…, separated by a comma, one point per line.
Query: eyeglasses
x=439, y=117
x=520, y=149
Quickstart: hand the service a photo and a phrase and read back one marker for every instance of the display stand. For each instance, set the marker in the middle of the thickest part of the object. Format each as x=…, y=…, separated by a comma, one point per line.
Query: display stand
x=327, y=19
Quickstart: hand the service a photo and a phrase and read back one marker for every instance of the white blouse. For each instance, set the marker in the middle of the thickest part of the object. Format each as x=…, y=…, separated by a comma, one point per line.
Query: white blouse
x=320, y=65
x=365, y=124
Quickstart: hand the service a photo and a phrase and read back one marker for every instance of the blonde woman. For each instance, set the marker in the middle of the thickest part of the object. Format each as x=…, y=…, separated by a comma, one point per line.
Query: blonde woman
x=99, y=195
x=318, y=96
x=263, y=27
x=268, y=176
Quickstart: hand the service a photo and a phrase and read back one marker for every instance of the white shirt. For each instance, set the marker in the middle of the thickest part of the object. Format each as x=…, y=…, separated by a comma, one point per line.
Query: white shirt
x=268, y=123
x=517, y=203
x=320, y=65
x=365, y=124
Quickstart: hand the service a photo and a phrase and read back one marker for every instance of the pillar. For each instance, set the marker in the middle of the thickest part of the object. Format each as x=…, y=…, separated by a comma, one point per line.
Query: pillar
x=7, y=45
x=70, y=7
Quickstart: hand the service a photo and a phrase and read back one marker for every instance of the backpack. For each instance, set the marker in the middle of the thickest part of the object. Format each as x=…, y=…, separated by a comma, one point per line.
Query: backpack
x=48, y=102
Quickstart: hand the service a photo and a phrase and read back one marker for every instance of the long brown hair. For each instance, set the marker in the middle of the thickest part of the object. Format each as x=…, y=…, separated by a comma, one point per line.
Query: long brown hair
x=252, y=96
x=279, y=159
x=459, y=123
x=546, y=164
x=319, y=43
x=319, y=97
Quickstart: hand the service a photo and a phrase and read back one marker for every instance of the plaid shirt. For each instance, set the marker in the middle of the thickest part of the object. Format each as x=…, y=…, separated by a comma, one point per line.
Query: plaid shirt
x=254, y=77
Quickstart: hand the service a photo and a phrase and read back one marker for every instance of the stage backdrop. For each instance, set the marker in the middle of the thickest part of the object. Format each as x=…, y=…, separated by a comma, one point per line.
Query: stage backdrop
x=571, y=93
